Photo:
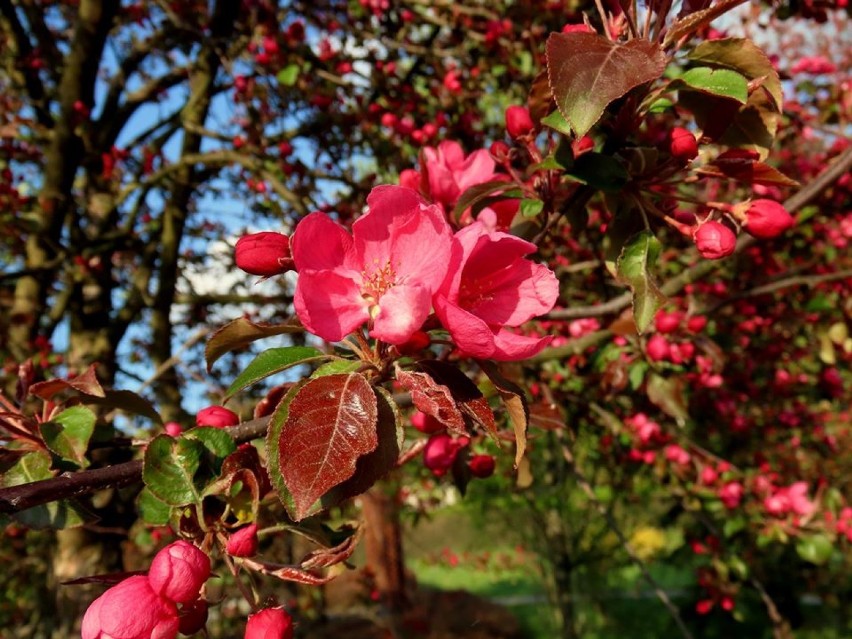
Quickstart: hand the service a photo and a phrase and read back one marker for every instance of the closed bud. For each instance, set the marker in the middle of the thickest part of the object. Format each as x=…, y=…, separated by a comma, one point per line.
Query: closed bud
x=178, y=572
x=481, y=466
x=426, y=423
x=440, y=453
x=216, y=417
x=518, y=121
x=243, y=543
x=766, y=219
x=264, y=254
x=714, y=240
x=172, y=429
x=270, y=623
x=682, y=144
x=658, y=348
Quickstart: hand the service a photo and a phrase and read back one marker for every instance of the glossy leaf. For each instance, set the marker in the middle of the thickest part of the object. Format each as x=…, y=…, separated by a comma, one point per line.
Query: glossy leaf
x=169, y=469
x=433, y=399
x=632, y=269
x=587, y=72
x=743, y=56
x=331, y=422
x=240, y=333
x=723, y=83
x=67, y=434
x=466, y=394
x=557, y=122
x=126, y=401
x=272, y=361
x=217, y=442
x=336, y=367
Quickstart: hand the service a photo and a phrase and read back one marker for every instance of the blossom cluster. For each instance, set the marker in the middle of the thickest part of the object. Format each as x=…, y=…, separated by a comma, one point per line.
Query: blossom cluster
x=402, y=260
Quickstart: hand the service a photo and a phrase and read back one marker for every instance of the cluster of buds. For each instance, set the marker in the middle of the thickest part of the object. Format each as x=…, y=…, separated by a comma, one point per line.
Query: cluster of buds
x=763, y=219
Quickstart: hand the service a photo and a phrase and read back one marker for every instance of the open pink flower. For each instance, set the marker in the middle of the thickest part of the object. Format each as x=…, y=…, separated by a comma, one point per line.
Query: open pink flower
x=449, y=173
x=385, y=272
x=489, y=285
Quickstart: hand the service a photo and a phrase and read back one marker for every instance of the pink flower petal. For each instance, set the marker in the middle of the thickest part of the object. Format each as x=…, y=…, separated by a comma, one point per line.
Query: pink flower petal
x=320, y=244
x=402, y=311
x=511, y=347
x=329, y=304
x=515, y=295
x=478, y=168
x=471, y=334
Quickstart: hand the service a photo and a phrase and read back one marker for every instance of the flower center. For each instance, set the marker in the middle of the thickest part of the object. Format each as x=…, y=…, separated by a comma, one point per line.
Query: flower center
x=378, y=282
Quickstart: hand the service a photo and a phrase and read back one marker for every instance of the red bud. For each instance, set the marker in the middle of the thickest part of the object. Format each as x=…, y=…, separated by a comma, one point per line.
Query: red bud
x=243, y=543
x=270, y=623
x=216, y=417
x=682, y=144
x=715, y=240
x=518, y=121
x=766, y=219
x=264, y=254
x=481, y=466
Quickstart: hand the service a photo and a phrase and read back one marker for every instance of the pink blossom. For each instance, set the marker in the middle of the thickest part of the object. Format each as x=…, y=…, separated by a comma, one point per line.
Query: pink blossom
x=178, y=571
x=677, y=455
x=731, y=494
x=489, y=285
x=384, y=273
x=449, y=173
x=130, y=610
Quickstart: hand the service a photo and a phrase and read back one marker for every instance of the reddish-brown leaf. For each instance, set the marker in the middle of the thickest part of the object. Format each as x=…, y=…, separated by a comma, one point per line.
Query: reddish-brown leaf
x=468, y=397
x=433, y=399
x=286, y=573
x=587, y=72
x=86, y=383
x=747, y=170
x=331, y=422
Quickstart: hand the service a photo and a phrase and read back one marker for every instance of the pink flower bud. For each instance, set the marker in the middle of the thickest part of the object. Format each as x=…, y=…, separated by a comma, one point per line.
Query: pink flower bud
x=130, y=610
x=766, y=219
x=173, y=429
x=577, y=28
x=426, y=423
x=264, y=254
x=668, y=322
x=682, y=144
x=216, y=417
x=271, y=623
x=410, y=178
x=518, y=121
x=658, y=348
x=178, y=572
x=440, y=453
x=243, y=543
x=715, y=240
x=481, y=466
x=731, y=494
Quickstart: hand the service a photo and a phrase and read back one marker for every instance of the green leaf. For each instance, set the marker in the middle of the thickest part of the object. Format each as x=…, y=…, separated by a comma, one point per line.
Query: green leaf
x=660, y=105
x=742, y=55
x=169, y=469
x=600, y=171
x=557, y=122
x=35, y=466
x=632, y=269
x=273, y=361
x=588, y=71
x=68, y=434
x=153, y=511
x=288, y=75
x=816, y=549
x=733, y=526
x=723, y=83
x=531, y=208
x=218, y=443
x=241, y=332
x=336, y=367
